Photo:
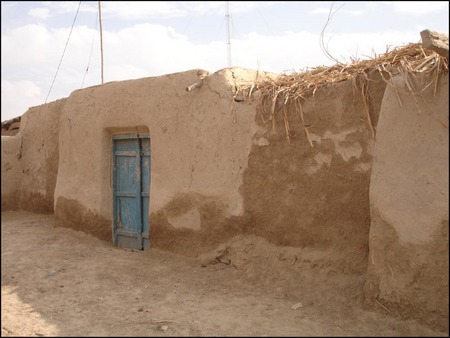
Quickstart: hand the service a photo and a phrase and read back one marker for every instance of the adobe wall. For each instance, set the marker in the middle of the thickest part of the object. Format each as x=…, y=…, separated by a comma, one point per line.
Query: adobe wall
x=200, y=141
x=11, y=171
x=302, y=196
x=409, y=202
x=30, y=160
x=216, y=171
x=219, y=169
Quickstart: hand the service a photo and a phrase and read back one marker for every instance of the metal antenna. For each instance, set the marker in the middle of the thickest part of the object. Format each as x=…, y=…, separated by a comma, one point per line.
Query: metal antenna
x=227, y=16
x=101, y=34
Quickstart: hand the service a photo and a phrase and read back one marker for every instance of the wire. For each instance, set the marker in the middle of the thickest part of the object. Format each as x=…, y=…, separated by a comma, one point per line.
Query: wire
x=92, y=47
x=63, y=52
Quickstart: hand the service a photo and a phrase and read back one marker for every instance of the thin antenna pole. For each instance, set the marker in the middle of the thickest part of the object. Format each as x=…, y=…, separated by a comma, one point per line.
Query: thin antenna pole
x=228, y=33
x=101, y=34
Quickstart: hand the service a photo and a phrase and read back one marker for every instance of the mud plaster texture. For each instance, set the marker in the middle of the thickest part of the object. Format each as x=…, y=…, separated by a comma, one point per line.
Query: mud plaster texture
x=30, y=160
x=215, y=229
x=200, y=141
x=12, y=132
x=11, y=127
x=292, y=271
x=11, y=171
x=284, y=198
x=409, y=252
x=219, y=171
x=318, y=197
x=72, y=214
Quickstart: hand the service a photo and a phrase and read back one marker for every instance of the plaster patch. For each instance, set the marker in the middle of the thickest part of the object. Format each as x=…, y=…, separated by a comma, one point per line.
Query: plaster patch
x=347, y=152
x=320, y=160
x=362, y=167
x=190, y=220
x=261, y=141
x=339, y=137
x=237, y=207
x=315, y=138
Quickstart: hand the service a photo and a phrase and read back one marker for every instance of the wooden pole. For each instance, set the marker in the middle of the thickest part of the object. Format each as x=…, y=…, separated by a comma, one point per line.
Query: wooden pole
x=101, y=34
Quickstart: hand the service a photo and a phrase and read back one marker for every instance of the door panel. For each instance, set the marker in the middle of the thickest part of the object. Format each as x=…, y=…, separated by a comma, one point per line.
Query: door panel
x=145, y=188
x=131, y=186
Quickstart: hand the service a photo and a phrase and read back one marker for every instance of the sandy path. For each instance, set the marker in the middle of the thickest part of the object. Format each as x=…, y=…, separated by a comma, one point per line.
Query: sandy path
x=62, y=282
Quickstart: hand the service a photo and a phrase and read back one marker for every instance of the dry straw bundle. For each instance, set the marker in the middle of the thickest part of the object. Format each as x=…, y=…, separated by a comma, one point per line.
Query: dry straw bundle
x=407, y=61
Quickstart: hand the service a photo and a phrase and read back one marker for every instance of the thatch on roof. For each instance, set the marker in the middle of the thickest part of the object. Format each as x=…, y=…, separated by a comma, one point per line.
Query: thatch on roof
x=407, y=61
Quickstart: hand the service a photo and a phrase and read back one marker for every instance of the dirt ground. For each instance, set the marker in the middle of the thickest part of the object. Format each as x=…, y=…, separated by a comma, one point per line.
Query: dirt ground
x=62, y=282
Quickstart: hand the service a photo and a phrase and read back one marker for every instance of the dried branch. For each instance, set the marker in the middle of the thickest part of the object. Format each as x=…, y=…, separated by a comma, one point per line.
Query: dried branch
x=322, y=33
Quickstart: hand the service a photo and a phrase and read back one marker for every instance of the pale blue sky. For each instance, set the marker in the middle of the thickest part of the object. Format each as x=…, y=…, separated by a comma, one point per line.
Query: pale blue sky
x=142, y=39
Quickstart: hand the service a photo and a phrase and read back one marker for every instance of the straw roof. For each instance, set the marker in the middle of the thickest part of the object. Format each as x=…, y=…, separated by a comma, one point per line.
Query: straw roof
x=411, y=59
x=408, y=61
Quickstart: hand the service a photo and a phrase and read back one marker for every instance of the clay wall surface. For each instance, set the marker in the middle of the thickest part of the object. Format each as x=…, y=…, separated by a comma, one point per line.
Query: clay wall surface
x=200, y=141
x=220, y=167
x=30, y=160
x=302, y=196
x=409, y=202
x=11, y=171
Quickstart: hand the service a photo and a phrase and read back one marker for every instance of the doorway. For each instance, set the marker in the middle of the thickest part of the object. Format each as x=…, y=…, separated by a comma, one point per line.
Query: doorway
x=131, y=190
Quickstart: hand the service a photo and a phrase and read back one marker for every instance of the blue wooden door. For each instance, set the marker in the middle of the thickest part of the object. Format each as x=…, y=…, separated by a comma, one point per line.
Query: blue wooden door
x=131, y=188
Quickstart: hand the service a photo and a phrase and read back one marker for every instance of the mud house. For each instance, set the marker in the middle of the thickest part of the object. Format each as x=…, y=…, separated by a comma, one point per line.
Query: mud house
x=350, y=159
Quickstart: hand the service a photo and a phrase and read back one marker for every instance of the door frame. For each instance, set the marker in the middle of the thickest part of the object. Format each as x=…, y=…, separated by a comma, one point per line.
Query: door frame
x=142, y=234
